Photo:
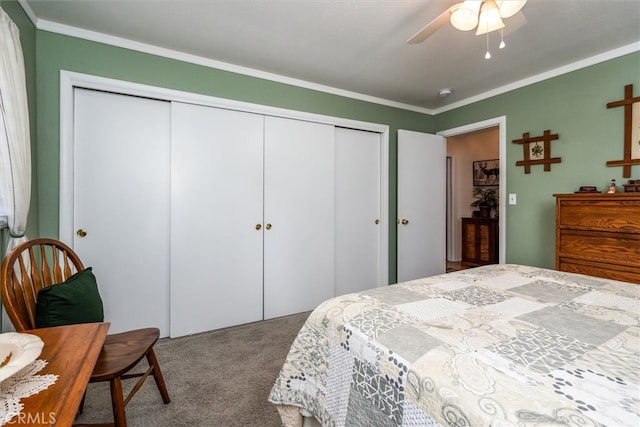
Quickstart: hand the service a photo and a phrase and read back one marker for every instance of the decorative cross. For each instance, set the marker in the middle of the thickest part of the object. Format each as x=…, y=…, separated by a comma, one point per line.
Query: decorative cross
x=542, y=154
x=627, y=103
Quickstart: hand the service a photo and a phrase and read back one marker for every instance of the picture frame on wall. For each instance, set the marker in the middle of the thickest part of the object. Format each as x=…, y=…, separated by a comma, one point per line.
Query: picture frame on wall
x=486, y=172
x=536, y=151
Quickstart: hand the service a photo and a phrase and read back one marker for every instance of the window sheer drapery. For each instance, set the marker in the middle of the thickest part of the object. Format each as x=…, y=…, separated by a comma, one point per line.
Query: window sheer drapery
x=15, y=148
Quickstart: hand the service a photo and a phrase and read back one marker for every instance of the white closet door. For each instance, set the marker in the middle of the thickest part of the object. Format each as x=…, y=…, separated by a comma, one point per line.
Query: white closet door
x=421, y=205
x=121, y=201
x=357, y=211
x=216, y=218
x=299, y=210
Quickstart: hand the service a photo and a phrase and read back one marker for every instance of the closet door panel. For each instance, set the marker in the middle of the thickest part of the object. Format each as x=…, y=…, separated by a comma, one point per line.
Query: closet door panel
x=357, y=235
x=121, y=201
x=299, y=210
x=216, y=206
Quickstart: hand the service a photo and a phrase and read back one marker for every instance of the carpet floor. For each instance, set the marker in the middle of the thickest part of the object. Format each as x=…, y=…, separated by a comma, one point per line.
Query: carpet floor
x=217, y=378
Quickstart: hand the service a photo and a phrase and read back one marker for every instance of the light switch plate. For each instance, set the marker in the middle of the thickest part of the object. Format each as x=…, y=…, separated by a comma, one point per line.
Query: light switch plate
x=512, y=199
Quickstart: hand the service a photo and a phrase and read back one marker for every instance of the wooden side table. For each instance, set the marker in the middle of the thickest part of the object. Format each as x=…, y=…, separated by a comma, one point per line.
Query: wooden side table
x=71, y=352
x=479, y=241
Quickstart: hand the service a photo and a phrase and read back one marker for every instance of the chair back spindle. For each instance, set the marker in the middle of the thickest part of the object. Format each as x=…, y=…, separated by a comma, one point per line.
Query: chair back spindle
x=34, y=265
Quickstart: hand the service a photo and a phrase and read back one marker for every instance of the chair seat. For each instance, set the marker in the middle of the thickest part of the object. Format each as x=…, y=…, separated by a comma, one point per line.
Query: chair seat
x=123, y=351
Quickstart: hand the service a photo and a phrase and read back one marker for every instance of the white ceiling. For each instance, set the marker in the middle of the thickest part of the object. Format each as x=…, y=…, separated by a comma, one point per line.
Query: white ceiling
x=359, y=45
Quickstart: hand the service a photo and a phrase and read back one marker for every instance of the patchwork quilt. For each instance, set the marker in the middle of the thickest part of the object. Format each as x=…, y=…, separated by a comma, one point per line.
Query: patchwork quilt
x=499, y=345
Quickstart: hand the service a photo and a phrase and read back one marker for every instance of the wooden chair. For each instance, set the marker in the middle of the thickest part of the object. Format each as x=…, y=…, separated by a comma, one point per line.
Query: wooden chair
x=42, y=262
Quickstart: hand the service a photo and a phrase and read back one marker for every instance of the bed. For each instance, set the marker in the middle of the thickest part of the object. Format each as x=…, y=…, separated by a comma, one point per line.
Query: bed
x=498, y=345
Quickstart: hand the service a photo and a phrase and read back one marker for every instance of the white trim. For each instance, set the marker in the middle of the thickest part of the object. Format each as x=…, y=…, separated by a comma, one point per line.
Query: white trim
x=70, y=80
x=587, y=62
x=453, y=242
x=80, y=33
x=385, y=217
x=501, y=122
x=68, y=30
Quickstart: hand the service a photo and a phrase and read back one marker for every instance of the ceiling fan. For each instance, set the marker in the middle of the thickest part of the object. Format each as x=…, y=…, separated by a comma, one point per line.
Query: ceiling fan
x=484, y=16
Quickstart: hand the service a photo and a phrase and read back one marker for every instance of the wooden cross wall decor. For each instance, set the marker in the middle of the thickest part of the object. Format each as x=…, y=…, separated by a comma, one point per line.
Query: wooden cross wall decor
x=628, y=159
x=536, y=154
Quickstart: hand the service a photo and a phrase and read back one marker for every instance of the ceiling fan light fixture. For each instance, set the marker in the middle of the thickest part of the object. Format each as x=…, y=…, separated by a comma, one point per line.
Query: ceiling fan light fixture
x=483, y=15
x=489, y=18
x=509, y=8
x=465, y=16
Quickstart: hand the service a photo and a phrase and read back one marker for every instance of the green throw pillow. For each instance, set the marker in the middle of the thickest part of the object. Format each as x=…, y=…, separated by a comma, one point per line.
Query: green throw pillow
x=76, y=300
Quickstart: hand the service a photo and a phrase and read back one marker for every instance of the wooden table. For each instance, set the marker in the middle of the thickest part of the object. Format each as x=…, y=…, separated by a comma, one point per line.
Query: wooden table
x=71, y=352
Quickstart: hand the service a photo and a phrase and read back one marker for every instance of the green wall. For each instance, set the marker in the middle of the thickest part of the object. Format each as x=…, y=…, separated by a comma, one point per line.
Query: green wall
x=573, y=106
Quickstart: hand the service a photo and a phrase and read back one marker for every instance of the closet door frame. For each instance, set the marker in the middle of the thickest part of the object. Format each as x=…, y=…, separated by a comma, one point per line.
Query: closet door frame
x=70, y=80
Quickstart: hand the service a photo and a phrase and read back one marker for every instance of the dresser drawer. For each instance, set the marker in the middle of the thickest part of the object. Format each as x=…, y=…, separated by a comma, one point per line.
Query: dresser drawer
x=604, y=215
x=611, y=248
x=607, y=271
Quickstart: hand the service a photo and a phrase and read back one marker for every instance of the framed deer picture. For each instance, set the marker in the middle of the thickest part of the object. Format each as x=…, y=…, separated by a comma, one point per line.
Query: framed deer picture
x=486, y=172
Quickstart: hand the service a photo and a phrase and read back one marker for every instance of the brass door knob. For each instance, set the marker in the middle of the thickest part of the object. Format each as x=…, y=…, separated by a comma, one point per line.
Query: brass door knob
x=81, y=232
x=268, y=226
x=258, y=226
x=404, y=221
x=377, y=221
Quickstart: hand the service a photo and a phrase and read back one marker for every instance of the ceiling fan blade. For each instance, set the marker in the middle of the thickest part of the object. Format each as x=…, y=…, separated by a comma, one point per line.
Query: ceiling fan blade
x=431, y=27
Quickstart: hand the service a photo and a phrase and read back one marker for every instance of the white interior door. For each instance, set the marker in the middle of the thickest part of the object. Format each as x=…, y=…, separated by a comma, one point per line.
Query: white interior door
x=216, y=218
x=421, y=205
x=358, y=255
x=299, y=215
x=121, y=201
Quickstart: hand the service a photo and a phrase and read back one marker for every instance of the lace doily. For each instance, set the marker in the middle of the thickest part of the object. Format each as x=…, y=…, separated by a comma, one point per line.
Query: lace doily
x=23, y=384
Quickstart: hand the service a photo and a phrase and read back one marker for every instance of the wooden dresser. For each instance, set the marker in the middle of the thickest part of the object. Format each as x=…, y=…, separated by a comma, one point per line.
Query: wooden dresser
x=599, y=235
x=479, y=241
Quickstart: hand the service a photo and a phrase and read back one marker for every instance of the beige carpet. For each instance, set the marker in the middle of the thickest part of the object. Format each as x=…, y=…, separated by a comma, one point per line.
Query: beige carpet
x=218, y=378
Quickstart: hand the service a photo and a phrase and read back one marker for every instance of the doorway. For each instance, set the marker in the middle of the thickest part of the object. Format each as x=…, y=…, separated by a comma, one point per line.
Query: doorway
x=477, y=141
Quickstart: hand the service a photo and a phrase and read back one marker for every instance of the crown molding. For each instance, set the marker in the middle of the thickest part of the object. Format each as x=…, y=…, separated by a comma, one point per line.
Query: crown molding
x=67, y=30
x=587, y=62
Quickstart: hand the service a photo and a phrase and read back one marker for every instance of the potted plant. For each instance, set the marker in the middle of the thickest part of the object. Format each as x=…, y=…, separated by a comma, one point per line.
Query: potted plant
x=486, y=199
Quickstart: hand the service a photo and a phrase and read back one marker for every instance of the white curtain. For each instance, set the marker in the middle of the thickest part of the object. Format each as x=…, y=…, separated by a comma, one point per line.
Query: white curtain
x=15, y=145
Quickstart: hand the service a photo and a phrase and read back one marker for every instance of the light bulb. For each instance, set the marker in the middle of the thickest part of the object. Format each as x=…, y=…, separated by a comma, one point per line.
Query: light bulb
x=489, y=19
x=502, y=45
x=465, y=15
